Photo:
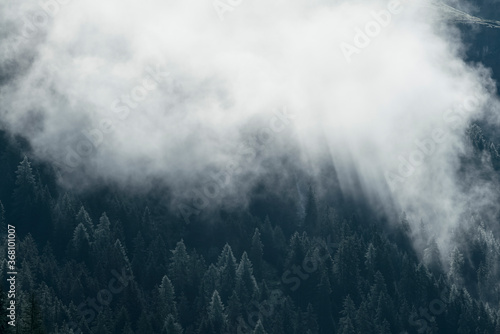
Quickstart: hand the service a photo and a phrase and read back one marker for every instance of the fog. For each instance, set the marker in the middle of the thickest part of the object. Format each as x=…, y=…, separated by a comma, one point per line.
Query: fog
x=127, y=91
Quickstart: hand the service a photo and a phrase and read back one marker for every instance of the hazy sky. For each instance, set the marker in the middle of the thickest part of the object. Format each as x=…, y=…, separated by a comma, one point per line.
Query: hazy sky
x=125, y=90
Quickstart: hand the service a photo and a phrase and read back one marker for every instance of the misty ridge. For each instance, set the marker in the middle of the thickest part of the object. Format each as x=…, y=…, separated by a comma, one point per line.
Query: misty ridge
x=90, y=99
x=314, y=117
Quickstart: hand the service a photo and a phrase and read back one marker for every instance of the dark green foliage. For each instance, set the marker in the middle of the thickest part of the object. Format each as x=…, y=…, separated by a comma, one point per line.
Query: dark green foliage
x=348, y=315
x=112, y=262
x=3, y=222
x=31, y=322
x=257, y=253
x=4, y=328
x=171, y=326
x=246, y=286
x=166, y=294
x=259, y=328
x=227, y=266
x=311, y=218
x=24, y=199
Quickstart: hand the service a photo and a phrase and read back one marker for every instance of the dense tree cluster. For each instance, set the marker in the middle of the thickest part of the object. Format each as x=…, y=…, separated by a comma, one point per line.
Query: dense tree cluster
x=114, y=262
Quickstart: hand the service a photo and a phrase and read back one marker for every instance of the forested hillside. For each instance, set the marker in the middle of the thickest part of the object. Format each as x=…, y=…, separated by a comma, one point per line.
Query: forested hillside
x=113, y=261
x=249, y=167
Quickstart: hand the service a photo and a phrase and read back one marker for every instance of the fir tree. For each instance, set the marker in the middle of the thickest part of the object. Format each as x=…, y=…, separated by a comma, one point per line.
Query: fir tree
x=246, y=286
x=32, y=322
x=259, y=328
x=3, y=223
x=227, y=266
x=3, y=311
x=256, y=253
x=311, y=218
x=122, y=323
x=217, y=315
x=178, y=268
x=371, y=259
x=83, y=218
x=171, y=326
x=210, y=282
x=348, y=315
x=364, y=319
x=24, y=198
x=166, y=294
x=456, y=272
x=432, y=256
x=80, y=243
x=103, y=230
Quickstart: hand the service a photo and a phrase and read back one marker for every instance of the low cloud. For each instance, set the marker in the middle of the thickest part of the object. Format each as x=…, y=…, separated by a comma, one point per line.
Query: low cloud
x=124, y=91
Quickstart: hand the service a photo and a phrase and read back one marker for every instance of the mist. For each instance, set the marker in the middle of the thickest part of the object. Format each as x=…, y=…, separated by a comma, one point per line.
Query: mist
x=125, y=92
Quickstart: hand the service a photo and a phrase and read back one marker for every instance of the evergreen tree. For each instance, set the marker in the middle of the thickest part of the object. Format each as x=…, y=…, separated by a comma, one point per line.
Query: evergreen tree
x=311, y=320
x=178, y=268
x=103, y=232
x=288, y=316
x=105, y=321
x=142, y=260
x=385, y=311
x=149, y=227
x=32, y=322
x=432, y=256
x=457, y=267
x=424, y=231
x=234, y=308
x=246, y=286
x=256, y=253
x=227, y=266
x=298, y=249
x=171, y=326
x=217, y=315
x=25, y=182
x=144, y=324
x=405, y=223
x=167, y=301
x=259, y=328
x=348, y=315
x=384, y=328
x=210, y=282
x=371, y=260
x=83, y=218
x=364, y=319
x=311, y=218
x=24, y=199
x=80, y=243
x=347, y=265
x=3, y=223
x=122, y=323
x=119, y=261
x=3, y=311
x=324, y=302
